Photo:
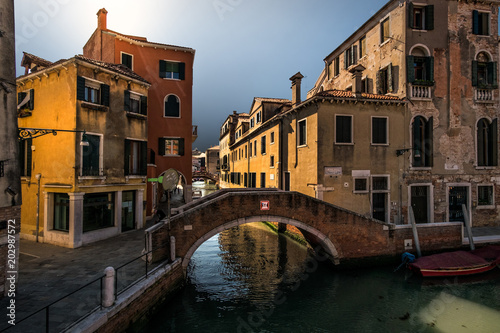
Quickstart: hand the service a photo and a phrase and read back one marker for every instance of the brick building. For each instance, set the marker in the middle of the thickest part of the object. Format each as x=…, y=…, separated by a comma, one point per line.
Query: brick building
x=442, y=57
x=169, y=69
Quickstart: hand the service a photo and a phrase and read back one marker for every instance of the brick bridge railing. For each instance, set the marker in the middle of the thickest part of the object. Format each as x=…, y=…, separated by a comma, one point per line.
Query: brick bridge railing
x=345, y=236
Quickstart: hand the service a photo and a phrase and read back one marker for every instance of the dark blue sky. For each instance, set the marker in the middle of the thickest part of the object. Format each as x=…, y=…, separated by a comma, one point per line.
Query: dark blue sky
x=244, y=48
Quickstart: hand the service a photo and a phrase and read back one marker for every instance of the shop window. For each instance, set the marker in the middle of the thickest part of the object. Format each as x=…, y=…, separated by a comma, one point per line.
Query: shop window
x=98, y=211
x=128, y=210
x=61, y=212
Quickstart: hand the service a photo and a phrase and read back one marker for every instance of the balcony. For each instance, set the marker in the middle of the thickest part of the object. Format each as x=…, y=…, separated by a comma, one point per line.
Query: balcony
x=195, y=132
x=420, y=91
x=483, y=95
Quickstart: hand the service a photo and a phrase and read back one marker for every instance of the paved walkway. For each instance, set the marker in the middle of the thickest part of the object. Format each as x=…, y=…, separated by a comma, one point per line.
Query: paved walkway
x=48, y=272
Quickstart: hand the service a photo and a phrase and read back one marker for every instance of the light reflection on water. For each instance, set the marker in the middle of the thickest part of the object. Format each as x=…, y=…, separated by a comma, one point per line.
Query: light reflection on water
x=249, y=279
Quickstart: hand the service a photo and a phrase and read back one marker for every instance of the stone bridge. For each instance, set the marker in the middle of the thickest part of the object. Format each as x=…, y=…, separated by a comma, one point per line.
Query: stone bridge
x=205, y=175
x=346, y=237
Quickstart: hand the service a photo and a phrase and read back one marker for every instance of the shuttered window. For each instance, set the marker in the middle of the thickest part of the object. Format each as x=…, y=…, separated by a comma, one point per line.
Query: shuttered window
x=343, y=129
x=487, y=146
x=379, y=130
x=172, y=70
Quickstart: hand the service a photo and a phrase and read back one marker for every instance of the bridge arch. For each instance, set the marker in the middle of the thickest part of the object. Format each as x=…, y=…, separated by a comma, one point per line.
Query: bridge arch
x=325, y=243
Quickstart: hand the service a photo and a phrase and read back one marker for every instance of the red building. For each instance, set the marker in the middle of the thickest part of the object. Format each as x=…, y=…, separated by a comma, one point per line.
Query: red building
x=169, y=69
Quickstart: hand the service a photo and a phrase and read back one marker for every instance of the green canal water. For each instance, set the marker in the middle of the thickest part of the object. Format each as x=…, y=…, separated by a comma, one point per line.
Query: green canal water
x=250, y=279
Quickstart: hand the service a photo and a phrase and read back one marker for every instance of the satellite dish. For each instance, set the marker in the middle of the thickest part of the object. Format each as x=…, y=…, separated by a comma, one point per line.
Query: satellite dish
x=170, y=179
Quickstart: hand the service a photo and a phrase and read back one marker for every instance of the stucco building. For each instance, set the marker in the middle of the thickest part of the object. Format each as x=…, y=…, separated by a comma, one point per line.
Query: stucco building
x=89, y=182
x=442, y=57
x=10, y=184
x=169, y=69
x=212, y=160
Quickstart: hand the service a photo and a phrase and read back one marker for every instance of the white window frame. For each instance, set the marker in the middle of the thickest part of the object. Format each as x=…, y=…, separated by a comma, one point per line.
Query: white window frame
x=271, y=138
x=101, y=155
x=492, y=205
x=121, y=58
x=381, y=22
x=386, y=191
x=367, y=190
x=170, y=138
x=180, y=107
x=299, y=144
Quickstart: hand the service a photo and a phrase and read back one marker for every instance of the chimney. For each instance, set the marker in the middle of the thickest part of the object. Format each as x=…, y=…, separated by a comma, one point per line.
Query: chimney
x=357, y=75
x=296, y=80
x=101, y=19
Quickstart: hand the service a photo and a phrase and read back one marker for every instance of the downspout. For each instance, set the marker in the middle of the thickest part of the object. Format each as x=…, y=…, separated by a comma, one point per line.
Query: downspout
x=280, y=154
x=38, y=177
x=296, y=140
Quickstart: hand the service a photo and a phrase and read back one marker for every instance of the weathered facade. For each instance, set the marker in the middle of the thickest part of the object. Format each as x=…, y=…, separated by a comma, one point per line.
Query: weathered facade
x=87, y=183
x=169, y=68
x=10, y=185
x=324, y=147
x=442, y=57
x=212, y=160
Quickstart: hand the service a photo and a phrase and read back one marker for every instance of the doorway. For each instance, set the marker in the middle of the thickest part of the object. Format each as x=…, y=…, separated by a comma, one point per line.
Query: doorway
x=420, y=203
x=457, y=195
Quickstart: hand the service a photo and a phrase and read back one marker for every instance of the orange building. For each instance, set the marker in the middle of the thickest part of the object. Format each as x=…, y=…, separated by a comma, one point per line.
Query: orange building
x=169, y=69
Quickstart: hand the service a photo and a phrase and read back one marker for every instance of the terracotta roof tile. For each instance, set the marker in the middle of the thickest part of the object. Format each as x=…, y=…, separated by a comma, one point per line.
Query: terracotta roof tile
x=119, y=68
x=348, y=94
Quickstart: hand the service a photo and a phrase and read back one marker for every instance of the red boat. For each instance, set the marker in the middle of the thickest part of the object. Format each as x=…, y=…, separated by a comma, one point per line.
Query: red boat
x=458, y=262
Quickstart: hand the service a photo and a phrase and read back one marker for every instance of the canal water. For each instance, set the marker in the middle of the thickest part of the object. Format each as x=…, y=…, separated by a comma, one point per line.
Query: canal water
x=251, y=279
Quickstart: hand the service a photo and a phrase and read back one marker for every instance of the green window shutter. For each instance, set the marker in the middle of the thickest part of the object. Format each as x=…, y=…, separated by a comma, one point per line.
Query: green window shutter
x=410, y=70
x=429, y=63
x=417, y=141
x=354, y=54
x=181, y=146
x=144, y=159
x=494, y=142
x=492, y=74
x=126, y=155
x=80, y=88
x=480, y=142
x=31, y=103
x=390, y=86
x=428, y=143
x=346, y=59
x=474, y=73
x=410, y=15
x=475, y=22
x=20, y=97
x=429, y=17
x=182, y=71
x=104, y=94
x=144, y=105
x=161, y=146
x=126, y=100
x=163, y=68
x=379, y=82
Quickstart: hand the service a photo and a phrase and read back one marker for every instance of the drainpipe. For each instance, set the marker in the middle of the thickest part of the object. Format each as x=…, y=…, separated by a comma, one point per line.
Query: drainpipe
x=280, y=154
x=38, y=177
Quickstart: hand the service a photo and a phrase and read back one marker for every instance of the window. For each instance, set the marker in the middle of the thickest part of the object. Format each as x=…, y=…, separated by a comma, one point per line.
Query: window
x=135, y=158
x=171, y=146
x=362, y=46
x=343, y=129
x=480, y=23
x=251, y=149
x=271, y=161
x=25, y=157
x=302, y=133
x=172, y=70
x=384, y=80
x=263, y=145
x=172, y=106
x=128, y=210
x=252, y=122
x=379, y=130
x=421, y=17
x=336, y=66
x=127, y=60
x=360, y=185
x=487, y=152
x=364, y=85
x=61, y=212
x=246, y=151
x=380, y=198
x=420, y=70
x=350, y=56
x=484, y=72
x=135, y=103
x=485, y=196
x=91, y=156
x=385, y=33
x=252, y=181
x=255, y=148
x=92, y=91
x=262, y=179
x=98, y=211
x=258, y=116
x=26, y=100
x=271, y=140
x=422, y=142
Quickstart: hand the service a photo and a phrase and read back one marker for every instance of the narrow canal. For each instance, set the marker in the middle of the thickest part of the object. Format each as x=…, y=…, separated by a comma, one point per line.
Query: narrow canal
x=251, y=279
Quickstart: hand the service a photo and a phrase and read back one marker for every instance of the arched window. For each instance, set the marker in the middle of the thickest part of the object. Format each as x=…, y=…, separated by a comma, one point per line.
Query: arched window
x=172, y=106
x=422, y=142
x=487, y=142
x=420, y=66
x=484, y=71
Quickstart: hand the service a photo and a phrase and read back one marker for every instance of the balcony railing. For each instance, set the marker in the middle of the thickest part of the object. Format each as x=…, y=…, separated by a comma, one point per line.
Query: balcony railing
x=423, y=92
x=484, y=95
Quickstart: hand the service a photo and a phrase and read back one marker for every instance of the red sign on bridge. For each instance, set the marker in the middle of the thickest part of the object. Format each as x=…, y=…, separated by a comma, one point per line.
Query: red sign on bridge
x=264, y=205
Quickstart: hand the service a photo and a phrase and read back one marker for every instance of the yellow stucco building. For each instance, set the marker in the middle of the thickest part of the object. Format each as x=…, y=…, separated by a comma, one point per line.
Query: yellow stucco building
x=88, y=182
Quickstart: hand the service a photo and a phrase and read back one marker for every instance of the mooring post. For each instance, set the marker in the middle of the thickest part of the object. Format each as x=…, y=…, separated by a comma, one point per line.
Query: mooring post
x=172, y=248
x=108, y=295
x=468, y=226
x=415, y=232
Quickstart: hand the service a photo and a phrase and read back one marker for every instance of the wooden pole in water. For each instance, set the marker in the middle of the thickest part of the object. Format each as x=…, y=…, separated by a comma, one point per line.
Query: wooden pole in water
x=468, y=226
x=415, y=233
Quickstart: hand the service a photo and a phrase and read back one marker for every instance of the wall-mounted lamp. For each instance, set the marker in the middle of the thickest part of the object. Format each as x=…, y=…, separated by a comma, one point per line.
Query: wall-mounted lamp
x=416, y=153
x=85, y=141
x=31, y=133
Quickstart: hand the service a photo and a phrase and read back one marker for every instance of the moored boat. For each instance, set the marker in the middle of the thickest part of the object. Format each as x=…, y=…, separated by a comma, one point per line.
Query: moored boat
x=457, y=263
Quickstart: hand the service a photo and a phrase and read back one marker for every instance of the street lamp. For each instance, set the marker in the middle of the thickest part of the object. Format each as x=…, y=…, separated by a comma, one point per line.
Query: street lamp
x=31, y=133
